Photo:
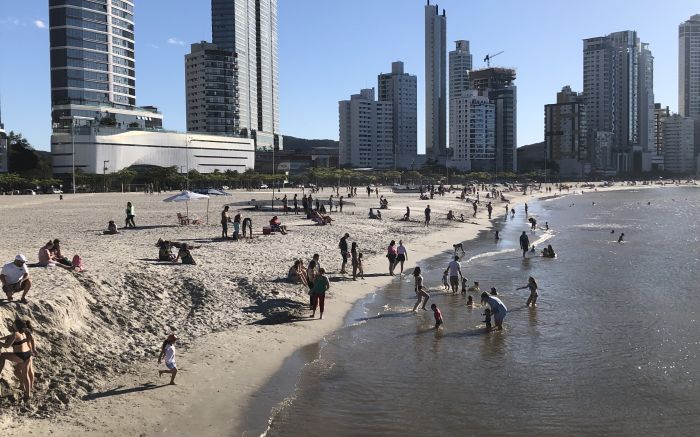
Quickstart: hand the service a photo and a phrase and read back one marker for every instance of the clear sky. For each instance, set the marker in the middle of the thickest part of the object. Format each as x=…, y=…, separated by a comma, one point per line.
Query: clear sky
x=330, y=49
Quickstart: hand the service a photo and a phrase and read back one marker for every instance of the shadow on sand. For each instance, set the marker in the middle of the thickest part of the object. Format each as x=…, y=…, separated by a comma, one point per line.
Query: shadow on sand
x=122, y=391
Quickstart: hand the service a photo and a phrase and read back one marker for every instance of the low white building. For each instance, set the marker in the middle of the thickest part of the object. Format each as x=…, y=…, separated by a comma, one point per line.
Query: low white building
x=472, y=132
x=113, y=149
x=679, y=144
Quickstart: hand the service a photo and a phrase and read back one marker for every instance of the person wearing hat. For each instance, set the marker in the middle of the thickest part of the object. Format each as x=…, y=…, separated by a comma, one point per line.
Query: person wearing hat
x=167, y=351
x=15, y=278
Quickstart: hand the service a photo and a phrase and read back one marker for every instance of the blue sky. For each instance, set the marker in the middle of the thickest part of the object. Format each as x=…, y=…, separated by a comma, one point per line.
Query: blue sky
x=330, y=49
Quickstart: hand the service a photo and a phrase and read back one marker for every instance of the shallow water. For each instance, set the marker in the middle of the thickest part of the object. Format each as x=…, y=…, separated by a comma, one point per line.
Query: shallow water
x=610, y=349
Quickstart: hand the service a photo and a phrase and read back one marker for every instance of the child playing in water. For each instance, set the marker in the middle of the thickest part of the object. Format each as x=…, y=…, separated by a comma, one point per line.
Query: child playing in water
x=470, y=302
x=487, y=318
x=437, y=314
x=445, y=279
x=474, y=288
x=464, y=285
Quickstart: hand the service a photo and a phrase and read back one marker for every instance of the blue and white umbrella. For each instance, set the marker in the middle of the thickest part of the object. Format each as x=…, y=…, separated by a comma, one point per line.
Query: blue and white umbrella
x=186, y=196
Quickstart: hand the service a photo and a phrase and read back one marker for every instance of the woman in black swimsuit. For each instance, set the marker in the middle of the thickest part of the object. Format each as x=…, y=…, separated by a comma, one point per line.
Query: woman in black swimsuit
x=23, y=348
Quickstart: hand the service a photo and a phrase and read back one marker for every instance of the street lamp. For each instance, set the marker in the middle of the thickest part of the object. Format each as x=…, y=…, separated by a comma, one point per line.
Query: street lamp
x=73, y=119
x=104, y=174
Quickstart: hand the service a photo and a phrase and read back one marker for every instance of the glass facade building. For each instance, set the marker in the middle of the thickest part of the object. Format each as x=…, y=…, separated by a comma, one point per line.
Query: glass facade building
x=92, y=64
x=249, y=29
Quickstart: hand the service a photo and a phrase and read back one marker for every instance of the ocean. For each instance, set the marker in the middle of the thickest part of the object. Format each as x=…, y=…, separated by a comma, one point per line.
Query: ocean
x=611, y=348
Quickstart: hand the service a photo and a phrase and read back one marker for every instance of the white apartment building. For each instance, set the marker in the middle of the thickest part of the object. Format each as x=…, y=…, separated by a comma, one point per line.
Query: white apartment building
x=460, y=66
x=472, y=132
x=366, y=132
x=400, y=89
x=679, y=144
x=435, y=82
x=689, y=67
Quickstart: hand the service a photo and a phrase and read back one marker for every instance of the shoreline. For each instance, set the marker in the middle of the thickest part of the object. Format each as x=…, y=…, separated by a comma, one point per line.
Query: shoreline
x=222, y=372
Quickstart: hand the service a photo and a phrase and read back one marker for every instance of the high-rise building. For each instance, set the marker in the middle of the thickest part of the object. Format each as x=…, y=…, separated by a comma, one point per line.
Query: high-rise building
x=400, y=89
x=366, y=131
x=689, y=67
x=618, y=94
x=249, y=29
x=565, y=133
x=497, y=84
x=435, y=83
x=679, y=144
x=92, y=64
x=661, y=113
x=460, y=66
x=210, y=87
x=472, y=132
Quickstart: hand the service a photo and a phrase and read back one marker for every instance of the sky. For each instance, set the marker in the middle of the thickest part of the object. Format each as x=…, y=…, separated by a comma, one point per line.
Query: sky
x=330, y=49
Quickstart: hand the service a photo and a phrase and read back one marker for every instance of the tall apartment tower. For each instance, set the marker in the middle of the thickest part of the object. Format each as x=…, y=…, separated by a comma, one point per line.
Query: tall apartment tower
x=679, y=144
x=460, y=66
x=618, y=93
x=210, y=89
x=249, y=29
x=689, y=67
x=472, y=132
x=661, y=113
x=366, y=131
x=497, y=84
x=565, y=132
x=435, y=83
x=92, y=64
x=401, y=89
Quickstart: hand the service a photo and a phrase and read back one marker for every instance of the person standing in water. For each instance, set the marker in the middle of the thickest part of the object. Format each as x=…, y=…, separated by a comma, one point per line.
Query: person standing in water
x=532, y=285
x=167, y=351
x=437, y=314
x=455, y=270
x=524, y=243
x=621, y=239
x=498, y=308
x=421, y=294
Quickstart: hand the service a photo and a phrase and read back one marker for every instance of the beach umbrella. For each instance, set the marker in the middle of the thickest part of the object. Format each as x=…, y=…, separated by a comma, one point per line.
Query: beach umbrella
x=186, y=196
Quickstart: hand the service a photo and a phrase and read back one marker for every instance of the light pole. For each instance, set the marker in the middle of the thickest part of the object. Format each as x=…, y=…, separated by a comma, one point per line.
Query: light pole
x=73, y=119
x=273, y=176
x=187, y=160
x=104, y=174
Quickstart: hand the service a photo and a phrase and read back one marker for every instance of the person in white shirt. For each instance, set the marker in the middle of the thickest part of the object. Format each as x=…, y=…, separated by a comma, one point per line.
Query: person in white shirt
x=455, y=273
x=15, y=278
x=402, y=255
x=168, y=351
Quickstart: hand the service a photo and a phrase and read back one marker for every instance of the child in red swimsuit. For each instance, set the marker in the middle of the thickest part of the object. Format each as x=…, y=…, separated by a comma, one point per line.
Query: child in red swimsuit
x=437, y=314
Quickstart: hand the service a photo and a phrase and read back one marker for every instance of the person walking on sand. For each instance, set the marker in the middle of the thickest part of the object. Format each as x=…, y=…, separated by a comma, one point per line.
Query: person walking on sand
x=15, y=278
x=489, y=208
x=343, y=246
x=524, y=243
x=474, y=206
x=224, y=222
x=296, y=204
x=526, y=209
x=421, y=294
x=130, y=214
x=498, y=308
x=167, y=351
x=401, y=255
x=532, y=285
x=392, y=254
x=318, y=293
x=427, y=216
x=455, y=273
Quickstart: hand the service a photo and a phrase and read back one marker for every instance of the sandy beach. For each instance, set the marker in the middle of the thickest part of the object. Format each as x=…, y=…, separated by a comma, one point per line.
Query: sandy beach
x=99, y=332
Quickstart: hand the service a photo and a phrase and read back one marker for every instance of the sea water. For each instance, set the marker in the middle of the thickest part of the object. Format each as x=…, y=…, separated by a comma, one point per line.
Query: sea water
x=611, y=349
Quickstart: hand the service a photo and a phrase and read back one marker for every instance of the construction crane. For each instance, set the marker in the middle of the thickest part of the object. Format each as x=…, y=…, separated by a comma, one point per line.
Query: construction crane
x=487, y=59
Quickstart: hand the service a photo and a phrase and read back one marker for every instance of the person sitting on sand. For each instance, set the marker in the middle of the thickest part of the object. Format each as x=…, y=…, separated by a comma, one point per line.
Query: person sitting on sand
x=167, y=351
x=372, y=215
x=450, y=215
x=297, y=273
x=23, y=348
x=58, y=256
x=407, y=216
x=46, y=258
x=321, y=219
x=277, y=226
x=111, y=228
x=185, y=255
x=165, y=250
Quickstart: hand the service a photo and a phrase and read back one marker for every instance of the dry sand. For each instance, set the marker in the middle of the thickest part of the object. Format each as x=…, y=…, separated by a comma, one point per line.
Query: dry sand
x=99, y=332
